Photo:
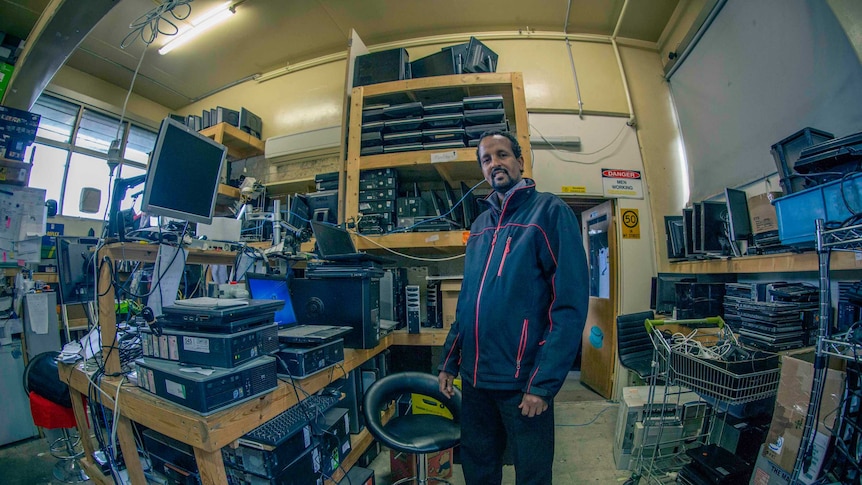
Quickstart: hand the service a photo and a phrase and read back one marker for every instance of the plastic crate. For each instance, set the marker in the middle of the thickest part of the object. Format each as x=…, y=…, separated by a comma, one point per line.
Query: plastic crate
x=786, y=152
x=797, y=212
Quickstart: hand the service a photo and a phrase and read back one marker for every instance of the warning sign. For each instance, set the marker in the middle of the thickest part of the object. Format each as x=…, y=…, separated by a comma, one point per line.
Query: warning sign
x=631, y=224
x=622, y=184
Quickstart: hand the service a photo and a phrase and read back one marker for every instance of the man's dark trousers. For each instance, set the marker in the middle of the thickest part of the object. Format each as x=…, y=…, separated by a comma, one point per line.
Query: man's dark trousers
x=489, y=420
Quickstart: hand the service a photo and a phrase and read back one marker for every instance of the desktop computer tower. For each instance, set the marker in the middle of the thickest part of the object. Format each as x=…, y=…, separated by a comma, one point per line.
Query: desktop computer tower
x=349, y=301
x=413, y=308
x=381, y=67
x=351, y=387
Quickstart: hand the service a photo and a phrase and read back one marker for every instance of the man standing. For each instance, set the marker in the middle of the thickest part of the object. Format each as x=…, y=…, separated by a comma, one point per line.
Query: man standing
x=518, y=323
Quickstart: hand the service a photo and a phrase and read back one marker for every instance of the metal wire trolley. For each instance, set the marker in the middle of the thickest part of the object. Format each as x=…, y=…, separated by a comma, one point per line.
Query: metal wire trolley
x=703, y=356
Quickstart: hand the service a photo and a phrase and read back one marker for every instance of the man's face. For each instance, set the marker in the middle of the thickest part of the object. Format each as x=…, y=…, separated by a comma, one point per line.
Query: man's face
x=499, y=166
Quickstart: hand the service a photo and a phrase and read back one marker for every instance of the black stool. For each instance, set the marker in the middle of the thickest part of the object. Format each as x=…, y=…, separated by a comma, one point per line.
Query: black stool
x=417, y=434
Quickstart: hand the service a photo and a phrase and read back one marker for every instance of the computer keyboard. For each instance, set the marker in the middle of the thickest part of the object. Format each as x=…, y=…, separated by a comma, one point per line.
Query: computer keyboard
x=278, y=429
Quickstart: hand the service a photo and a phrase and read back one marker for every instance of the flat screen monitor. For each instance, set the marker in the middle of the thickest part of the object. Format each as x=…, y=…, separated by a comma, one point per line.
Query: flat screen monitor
x=298, y=212
x=455, y=212
x=739, y=222
x=665, y=291
x=713, y=235
x=675, y=236
x=183, y=174
x=695, y=228
x=469, y=205
x=75, y=269
x=272, y=287
x=688, y=229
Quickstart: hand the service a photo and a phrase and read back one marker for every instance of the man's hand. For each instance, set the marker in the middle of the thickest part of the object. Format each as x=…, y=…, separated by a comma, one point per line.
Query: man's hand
x=532, y=405
x=445, y=379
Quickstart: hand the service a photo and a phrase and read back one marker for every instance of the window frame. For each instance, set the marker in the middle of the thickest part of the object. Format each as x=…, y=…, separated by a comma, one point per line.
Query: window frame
x=70, y=147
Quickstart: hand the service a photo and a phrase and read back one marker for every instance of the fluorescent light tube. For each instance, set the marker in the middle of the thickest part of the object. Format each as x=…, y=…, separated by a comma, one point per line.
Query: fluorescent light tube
x=200, y=25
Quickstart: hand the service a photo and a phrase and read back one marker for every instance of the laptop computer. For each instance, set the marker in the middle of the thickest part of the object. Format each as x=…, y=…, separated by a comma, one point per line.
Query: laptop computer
x=275, y=287
x=335, y=244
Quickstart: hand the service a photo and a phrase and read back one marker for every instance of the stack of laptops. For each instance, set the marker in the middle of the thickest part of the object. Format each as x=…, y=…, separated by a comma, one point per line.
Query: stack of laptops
x=304, y=349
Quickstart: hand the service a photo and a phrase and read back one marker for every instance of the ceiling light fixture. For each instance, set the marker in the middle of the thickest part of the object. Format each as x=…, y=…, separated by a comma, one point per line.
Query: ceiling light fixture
x=199, y=25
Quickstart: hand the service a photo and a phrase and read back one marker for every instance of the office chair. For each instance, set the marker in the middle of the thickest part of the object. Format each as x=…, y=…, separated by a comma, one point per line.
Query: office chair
x=634, y=345
x=417, y=434
x=51, y=407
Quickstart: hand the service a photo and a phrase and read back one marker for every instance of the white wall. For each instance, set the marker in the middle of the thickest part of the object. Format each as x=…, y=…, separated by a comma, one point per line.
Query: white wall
x=606, y=142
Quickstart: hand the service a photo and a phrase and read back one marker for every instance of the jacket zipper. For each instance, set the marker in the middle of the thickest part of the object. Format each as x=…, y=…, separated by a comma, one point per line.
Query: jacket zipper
x=505, y=253
x=522, y=345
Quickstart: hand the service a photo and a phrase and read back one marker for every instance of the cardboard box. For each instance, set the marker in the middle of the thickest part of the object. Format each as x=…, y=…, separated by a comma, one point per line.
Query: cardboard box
x=768, y=473
x=791, y=407
x=403, y=465
x=449, y=291
x=762, y=213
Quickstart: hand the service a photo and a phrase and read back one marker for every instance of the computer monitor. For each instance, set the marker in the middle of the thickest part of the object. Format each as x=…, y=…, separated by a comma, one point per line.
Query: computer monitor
x=713, y=235
x=695, y=227
x=323, y=206
x=469, y=205
x=739, y=222
x=675, y=236
x=183, y=174
x=272, y=287
x=688, y=230
x=250, y=123
x=456, y=213
x=75, y=269
x=664, y=297
x=299, y=214
x=479, y=58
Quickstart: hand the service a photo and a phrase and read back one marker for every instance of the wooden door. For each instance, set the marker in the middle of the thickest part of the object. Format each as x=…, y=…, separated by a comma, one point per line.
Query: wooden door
x=599, y=338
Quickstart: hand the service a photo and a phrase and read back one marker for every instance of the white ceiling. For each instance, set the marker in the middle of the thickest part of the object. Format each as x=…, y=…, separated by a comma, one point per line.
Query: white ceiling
x=267, y=34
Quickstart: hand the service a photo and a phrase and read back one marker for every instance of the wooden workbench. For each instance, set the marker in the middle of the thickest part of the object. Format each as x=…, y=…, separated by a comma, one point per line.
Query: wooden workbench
x=206, y=434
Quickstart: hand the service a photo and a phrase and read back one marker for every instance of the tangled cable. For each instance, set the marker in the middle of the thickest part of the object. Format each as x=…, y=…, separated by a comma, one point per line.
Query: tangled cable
x=156, y=21
x=687, y=344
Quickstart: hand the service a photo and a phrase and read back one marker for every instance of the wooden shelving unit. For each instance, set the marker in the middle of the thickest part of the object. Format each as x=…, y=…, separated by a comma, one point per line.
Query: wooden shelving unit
x=239, y=143
x=452, y=165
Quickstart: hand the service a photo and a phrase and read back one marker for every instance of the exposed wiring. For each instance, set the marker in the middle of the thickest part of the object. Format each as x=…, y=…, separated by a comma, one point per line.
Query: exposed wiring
x=157, y=21
x=610, y=144
x=590, y=421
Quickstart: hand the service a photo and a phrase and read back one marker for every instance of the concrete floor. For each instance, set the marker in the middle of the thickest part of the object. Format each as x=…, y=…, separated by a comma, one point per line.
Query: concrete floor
x=583, y=452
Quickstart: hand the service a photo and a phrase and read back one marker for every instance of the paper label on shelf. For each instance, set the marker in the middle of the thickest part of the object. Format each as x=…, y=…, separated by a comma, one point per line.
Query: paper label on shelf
x=444, y=156
x=163, y=347
x=858, y=256
x=173, y=353
x=196, y=344
x=432, y=238
x=175, y=389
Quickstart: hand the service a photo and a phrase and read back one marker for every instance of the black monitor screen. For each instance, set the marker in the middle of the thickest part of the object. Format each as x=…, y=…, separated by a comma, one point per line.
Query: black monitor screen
x=665, y=290
x=675, y=234
x=299, y=214
x=737, y=214
x=75, y=269
x=183, y=174
x=688, y=230
x=712, y=226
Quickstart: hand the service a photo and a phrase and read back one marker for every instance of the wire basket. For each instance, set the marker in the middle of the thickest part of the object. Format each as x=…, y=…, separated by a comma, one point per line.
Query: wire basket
x=733, y=382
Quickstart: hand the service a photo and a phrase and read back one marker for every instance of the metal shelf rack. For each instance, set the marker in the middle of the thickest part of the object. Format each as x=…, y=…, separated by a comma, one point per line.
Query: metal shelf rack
x=828, y=345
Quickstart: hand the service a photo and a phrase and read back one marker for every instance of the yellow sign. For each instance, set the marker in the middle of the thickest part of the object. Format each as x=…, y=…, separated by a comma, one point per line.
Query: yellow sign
x=631, y=224
x=572, y=189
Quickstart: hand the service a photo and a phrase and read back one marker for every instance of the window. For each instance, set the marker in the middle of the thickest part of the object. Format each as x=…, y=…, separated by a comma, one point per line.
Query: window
x=71, y=152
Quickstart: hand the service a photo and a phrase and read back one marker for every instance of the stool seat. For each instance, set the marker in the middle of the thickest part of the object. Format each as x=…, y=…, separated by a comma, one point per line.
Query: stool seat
x=421, y=433
x=50, y=415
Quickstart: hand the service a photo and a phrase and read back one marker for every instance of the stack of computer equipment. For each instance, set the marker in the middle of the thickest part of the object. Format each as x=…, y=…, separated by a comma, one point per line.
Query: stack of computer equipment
x=784, y=321
x=378, y=191
x=713, y=465
x=483, y=114
x=737, y=293
x=372, y=130
x=207, y=354
x=402, y=127
x=442, y=126
x=830, y=160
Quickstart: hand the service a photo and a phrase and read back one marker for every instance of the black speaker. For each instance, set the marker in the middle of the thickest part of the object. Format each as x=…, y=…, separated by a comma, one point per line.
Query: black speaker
x=381, y=67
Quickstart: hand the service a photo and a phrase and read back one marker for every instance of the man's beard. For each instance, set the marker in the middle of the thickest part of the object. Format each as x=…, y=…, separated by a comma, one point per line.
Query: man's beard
x=505, y=185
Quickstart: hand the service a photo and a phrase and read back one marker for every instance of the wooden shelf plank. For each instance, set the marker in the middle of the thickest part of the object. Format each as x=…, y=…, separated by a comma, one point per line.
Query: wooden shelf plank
x=428, y=337
x=239, y=143
x=776, y=263
x=412, y=240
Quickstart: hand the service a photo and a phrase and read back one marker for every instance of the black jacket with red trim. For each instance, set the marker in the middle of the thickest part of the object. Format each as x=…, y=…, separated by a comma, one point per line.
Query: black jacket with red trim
x=524, y=299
